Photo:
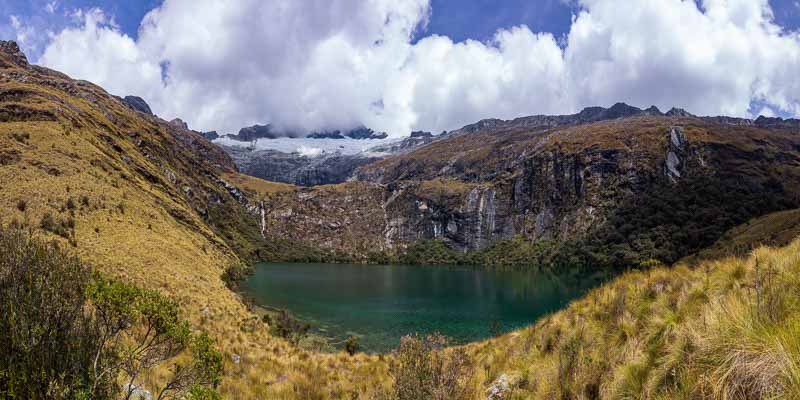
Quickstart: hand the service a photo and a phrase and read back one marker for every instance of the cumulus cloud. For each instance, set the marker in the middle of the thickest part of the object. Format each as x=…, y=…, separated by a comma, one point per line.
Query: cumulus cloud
x=334, y=64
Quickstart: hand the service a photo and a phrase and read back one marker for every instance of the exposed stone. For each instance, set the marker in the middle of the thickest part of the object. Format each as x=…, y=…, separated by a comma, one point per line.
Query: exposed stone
x=137, y=392
x=138, y=104
x=11, y=50
x=502, y=387
x=178, y=123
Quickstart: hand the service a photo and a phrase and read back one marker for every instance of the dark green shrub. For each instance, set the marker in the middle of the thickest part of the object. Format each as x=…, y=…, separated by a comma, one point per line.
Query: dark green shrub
x=286, y=326
x=236, y=273
x=351, y=345
x=47, y=340
x=22, y=205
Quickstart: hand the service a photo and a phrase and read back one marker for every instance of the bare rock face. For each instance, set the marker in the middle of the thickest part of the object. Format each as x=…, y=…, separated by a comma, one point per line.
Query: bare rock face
x=12, y=52
x=677, y=149
x=138, y=104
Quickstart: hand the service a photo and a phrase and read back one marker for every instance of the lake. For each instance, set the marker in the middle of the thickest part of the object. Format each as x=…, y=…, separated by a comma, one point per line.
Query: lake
x=381, y=303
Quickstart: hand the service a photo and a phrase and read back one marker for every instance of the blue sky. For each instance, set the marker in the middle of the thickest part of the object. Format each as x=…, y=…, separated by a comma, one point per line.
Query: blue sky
x=267, y=61
x=457, y=19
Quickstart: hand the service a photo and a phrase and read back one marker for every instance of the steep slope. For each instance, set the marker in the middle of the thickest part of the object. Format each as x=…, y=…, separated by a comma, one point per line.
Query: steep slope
x=615, y=192
x=151, y=203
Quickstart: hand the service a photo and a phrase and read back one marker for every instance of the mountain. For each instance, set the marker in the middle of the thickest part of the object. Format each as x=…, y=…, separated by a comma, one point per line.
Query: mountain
x=325, y=168
x=255, y=132
x=606, y=187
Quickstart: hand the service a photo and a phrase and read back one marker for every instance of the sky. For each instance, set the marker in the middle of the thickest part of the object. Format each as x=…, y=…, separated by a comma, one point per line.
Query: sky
x=403, y=65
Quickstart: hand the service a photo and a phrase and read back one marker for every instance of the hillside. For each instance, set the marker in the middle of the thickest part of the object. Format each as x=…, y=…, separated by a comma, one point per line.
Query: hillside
x=149, y=203
x=609, y=192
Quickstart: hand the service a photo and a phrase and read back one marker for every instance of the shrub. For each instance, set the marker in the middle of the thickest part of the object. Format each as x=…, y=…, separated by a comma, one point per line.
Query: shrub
x=56, y=344
x=235, y=273
x=22, y=205
x=424, y=369
x=286, y=326
x=351, y=345
x=70, y=204
x=47, y=341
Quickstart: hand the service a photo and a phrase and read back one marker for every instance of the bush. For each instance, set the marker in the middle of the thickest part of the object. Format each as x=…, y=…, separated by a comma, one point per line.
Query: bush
x=47, y=341
x=66, y=334
x=236, y=273
x=351, y=345
x=22, y=205
x=286, y=326
x=424, y=369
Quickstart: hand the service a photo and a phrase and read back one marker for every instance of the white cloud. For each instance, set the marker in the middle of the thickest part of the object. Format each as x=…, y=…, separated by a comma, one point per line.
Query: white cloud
x=335, y=63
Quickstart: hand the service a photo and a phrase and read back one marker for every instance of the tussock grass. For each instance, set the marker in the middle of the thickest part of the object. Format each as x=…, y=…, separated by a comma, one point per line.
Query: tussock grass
x=727, y=329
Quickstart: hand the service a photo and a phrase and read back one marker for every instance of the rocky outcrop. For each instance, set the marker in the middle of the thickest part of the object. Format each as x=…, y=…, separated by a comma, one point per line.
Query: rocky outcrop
x=677, y=149
x=256, y=132
x=12, y=54
x=210, y=135
x=138, y=104
x=179, y=123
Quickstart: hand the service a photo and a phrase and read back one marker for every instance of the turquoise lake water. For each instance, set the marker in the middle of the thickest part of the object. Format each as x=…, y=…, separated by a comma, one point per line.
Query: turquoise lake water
x=381, y=303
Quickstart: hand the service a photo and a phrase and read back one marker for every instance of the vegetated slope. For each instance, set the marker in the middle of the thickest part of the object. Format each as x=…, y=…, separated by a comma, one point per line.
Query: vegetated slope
x=153, y=204
x=727, y=329
x=606, y=193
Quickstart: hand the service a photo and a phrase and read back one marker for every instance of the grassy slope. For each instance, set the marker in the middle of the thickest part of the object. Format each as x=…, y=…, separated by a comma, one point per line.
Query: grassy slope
x=727, y=329
x=141, y=225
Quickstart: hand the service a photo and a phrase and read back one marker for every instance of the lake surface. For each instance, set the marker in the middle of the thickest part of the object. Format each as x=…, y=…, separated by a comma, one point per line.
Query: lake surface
x=380, y=304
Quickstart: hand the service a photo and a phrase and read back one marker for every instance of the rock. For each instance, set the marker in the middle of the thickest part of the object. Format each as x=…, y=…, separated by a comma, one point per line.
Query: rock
x=678, y=112
x=236, y=358
x=502, y=387
x=421, y=134
x=12, y=52
x=138, y=104
x=178, y=123
x=210, y=135
x=677, y=149
x=137, y=392
x=256, y=132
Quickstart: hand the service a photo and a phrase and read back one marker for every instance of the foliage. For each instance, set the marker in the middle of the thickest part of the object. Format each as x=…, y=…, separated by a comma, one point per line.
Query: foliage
x=68, y=334
x=46, y=337
x=429, y=252
x=235, y=273
x=351, y=345
x=423, y=369
x=286, y=326
x=143, y=329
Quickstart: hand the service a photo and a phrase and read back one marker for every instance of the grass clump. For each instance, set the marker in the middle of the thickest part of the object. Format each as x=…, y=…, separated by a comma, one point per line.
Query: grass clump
x=423, y=369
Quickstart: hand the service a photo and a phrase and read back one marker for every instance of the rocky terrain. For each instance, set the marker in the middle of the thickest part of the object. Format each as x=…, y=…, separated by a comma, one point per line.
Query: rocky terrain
x=615, y=186
x=321, y=169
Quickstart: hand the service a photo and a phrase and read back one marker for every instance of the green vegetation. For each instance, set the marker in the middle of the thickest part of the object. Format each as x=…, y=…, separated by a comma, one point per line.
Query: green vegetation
x=286, y=326
x=68, y=334
x=430, y=252
x=236, y=273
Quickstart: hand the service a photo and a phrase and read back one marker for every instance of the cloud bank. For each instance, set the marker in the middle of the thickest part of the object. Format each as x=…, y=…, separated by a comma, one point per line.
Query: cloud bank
x=334, y=64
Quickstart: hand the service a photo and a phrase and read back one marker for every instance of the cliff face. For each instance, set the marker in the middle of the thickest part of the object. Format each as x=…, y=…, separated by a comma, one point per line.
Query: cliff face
x=629, y=189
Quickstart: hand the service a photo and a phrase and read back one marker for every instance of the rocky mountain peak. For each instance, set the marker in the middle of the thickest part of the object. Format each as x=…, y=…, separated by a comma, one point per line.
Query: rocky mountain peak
x=678, y=112
x=11, y=53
